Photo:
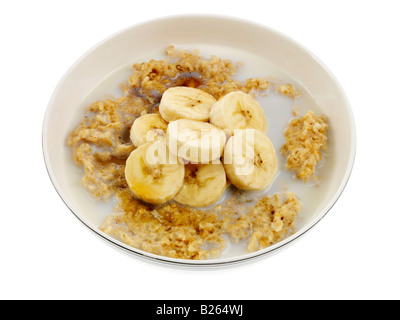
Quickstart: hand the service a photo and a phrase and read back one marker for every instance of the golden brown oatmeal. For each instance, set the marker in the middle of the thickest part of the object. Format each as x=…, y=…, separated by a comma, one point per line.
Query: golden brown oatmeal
x=182, y=68
x=268, y=222
x=288, y=90
x=305, y=137
x=170, y=230
x=100, y=144
x=182, y=232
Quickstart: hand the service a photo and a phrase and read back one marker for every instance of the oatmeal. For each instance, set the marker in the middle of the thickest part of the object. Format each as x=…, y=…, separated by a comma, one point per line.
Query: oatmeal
x=305, y=137
x=102, y=145
x=267, y=222
x=181, y=68
x=288, y=90
x=183, y=232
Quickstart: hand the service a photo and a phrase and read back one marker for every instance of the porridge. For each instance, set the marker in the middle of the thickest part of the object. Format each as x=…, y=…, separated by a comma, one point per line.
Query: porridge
x=176, y=207
x=306, y=138
x=185, y=232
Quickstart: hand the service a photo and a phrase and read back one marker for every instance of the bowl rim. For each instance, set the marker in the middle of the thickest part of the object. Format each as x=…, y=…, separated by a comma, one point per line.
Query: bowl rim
x=222, y=261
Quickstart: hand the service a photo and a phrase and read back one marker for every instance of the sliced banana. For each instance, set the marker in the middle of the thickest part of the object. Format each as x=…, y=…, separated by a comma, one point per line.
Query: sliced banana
x=250, y=160
x=195, y=141
x=148, y=128
x=204, y=184
x=238, y=110
x=153, y=174
x=186, y=103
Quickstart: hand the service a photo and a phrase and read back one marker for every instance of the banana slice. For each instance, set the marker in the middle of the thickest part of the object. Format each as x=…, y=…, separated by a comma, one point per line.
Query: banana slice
x=186, y=103
x=238, y=110
x=195, y=141
x=148, y=128
x=153, y=174
x=250, y=160
x=204, y=184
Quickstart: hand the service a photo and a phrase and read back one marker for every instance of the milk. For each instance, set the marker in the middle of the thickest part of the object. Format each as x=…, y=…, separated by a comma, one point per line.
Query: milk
x=278, y=110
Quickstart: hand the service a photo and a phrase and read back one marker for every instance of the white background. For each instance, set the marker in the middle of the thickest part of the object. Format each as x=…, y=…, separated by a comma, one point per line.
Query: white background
x=353, y=253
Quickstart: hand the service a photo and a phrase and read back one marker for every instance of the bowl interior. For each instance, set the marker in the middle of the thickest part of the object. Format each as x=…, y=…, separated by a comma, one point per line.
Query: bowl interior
x=140, y=42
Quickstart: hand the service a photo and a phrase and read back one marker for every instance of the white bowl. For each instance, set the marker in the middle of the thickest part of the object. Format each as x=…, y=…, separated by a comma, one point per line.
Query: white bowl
x=141, y=41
